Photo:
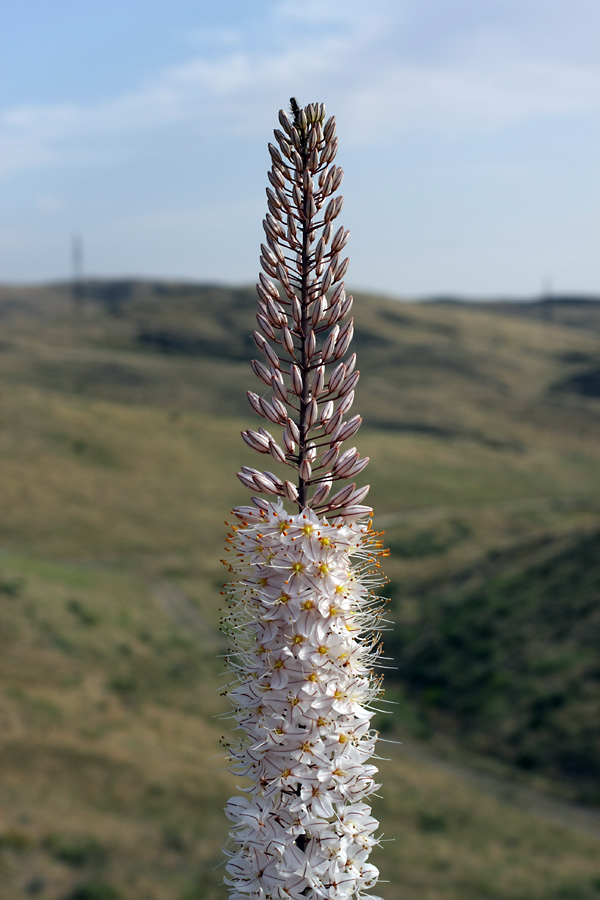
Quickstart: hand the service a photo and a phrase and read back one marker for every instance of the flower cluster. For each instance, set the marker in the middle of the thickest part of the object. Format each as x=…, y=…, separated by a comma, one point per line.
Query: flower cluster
x=303, y=620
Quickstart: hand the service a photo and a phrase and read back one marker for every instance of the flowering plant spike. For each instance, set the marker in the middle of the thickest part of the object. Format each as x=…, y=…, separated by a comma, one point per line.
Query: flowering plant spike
x=302, y=614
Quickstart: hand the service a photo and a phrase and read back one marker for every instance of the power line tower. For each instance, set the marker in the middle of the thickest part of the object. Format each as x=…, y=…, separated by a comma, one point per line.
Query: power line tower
x=547, y=297
x=77, y=284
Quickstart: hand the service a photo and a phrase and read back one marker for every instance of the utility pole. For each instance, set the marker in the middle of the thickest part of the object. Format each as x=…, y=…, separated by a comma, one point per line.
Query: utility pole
x=547, y=292
x=77, y=285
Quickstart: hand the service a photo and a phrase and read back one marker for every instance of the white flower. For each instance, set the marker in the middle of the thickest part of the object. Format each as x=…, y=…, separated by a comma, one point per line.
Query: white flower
x=299, y=616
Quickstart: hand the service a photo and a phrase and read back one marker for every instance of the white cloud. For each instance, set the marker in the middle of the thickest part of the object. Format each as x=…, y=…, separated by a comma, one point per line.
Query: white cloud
x=344, y=52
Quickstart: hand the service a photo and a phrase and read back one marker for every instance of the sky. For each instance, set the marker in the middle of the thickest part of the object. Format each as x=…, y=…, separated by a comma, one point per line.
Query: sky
x=469, y=135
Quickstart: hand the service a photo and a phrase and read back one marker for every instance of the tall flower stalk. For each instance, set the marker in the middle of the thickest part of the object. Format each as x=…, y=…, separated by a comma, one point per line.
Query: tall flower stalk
x=303, y=615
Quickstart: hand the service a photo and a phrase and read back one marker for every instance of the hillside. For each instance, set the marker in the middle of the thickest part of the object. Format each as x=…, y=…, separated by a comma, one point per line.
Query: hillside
x=506, y=655
x=119, y=440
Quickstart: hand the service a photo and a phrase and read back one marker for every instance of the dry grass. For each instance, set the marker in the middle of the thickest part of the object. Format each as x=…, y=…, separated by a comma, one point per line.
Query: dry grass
x=116, y=475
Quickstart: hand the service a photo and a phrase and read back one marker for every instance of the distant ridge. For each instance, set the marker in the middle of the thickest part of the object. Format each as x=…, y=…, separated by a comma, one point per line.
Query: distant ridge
x=555, y=299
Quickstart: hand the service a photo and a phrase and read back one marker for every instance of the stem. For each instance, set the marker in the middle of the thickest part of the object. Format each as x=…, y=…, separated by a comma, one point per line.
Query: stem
x=305, y=325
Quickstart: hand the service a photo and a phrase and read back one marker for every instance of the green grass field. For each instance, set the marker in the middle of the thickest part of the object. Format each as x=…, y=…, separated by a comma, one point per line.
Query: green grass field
x=119, y=440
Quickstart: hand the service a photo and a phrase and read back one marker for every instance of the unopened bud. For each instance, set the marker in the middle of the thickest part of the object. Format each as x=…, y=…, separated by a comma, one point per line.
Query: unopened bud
x=291, y=492
x=305, y=470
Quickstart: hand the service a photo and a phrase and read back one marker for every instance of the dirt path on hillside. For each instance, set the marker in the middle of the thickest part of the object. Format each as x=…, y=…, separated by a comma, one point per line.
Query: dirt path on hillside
x=552, y=809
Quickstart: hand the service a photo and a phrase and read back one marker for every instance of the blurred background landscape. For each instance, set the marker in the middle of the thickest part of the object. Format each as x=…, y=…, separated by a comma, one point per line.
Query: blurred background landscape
x=119, y=443
x=132, y=169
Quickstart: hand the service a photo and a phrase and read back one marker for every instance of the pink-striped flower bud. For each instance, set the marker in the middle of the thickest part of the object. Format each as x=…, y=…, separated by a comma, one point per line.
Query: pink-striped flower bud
x=333, y=423
x=355, y=512
x=280, y=390
x=339, y=294
x=296, y=312
x=259, y=340
x=344, y=460
x=268, y=410
x=312, y=413
x=283, y=200
x=341, y=496
x=346, y=306
x=326, y=281
x=262, y=293
x=322, y=492
x=289, y=444
x=256, y=441
x=254, y=401
x=275, y=154
x=280, y=411
x=246, y=480
x=355, y=468
x=296, y=380
x=326, y=412
x=291, y=492
x=340, y=239
x=268, y=253
x=347, y=429
x=268, y=266
x=310, y=344
x=349, y=384
x=341, y=270
x=330, y=210
x=319, y=251
x=318, y=381
x=350, y=364
x=319, y=308
x=345, y=336
x=336, y=378
x=288, y=340
x=291, y=227
x=329, y=345
x=334, y=314
x=346, y=402
x=284, y=121
x=272, y=356
x=265, y=326
x=305, y=470
x=275, y=314
x=261, y=371
x=283, y=275
x=358, y=495
x=265, y=484
x=293, y=430
x=329, y=129
x=268, y=286
x=276, y=452
x=275, y=177
x=330, y=456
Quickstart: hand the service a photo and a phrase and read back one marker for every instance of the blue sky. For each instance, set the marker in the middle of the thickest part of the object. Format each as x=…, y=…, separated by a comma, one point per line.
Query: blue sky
x=469, y=134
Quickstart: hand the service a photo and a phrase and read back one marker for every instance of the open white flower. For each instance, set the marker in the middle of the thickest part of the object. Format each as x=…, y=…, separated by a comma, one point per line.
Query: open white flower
x=305, y=712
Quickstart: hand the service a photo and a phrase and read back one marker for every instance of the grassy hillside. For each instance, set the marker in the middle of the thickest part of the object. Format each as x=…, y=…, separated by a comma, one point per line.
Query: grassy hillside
x=119, y=439
x=506, y=655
